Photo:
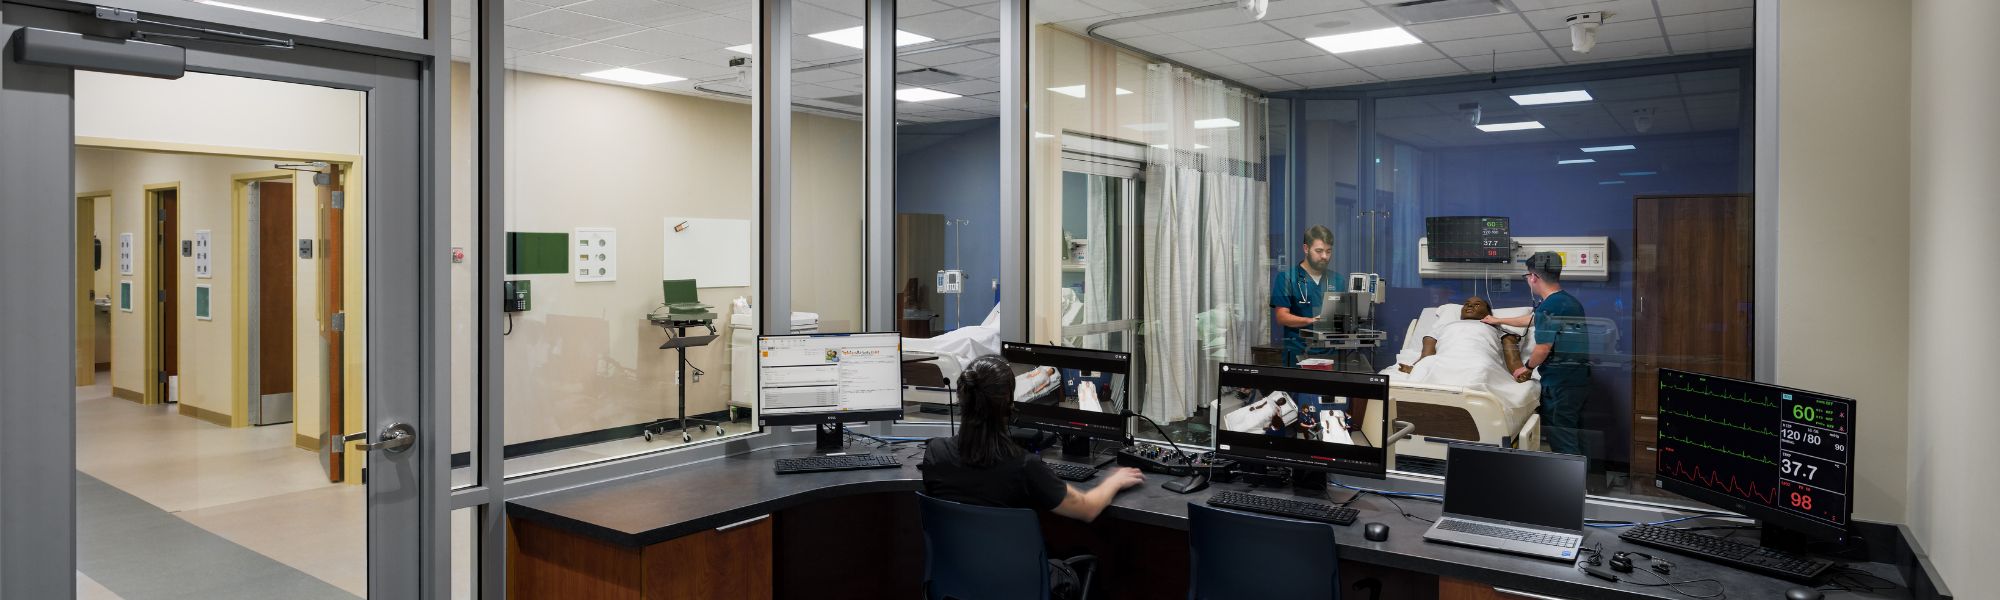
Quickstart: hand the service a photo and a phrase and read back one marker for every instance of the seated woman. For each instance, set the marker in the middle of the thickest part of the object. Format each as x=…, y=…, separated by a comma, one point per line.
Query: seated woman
x=1467, y=348
x=982, y=465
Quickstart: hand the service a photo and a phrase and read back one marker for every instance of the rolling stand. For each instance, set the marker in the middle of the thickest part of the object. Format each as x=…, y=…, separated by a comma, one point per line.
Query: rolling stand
x=680, y=341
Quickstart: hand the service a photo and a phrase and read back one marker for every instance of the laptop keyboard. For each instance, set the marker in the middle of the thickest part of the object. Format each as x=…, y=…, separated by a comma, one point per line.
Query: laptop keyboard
x=1560, y=540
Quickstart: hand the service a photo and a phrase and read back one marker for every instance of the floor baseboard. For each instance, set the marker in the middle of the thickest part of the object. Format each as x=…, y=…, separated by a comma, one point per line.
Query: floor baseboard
x=204, y=414
x=119, y=392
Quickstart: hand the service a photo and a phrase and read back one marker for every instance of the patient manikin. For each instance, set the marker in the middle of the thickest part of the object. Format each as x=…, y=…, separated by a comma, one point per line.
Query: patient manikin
x=1468, y=339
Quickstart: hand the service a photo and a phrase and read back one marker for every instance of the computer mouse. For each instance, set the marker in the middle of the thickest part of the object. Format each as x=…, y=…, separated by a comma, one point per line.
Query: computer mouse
x=1376, y=532
x=1799, y=593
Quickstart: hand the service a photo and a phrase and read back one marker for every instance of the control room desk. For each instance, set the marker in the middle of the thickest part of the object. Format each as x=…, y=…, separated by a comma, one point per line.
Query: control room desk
x=729, y=527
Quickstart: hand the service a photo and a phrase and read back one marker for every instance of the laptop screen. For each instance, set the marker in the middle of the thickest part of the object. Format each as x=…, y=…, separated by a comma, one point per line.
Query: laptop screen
x=1529, y=488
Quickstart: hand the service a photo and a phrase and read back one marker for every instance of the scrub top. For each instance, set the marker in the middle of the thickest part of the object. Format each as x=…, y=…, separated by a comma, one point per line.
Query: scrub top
x=1295, y=289
x=1559, y=322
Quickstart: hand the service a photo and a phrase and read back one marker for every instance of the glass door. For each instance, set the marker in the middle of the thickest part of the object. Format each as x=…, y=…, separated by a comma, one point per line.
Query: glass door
x=176, y=470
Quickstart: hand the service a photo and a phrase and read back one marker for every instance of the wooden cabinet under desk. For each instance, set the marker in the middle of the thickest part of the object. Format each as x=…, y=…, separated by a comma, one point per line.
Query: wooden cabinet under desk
x=733, y=561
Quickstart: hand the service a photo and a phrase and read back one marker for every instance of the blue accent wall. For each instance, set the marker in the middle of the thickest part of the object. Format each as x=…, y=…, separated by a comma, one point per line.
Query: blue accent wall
x=953, y=169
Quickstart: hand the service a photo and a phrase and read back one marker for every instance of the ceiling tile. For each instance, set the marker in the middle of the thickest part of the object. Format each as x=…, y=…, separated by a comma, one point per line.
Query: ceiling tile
x=951, y=25
x=388, y=17
x=529, y=40
x=515, y=9
x=1682, y=7
x=1272, y=84
x=1332, y=78
x=1512, y=60
x=646, y=13
x=1238, y=72
x=948, y=56
x=1622, y=50
x=1714, y=41
x=1390, y=56
x=1349, y=21
x=1519, y=42
x=680, y=67
x=1124, y=30
x=1309, y=64
x=1741, y=18
x=971, y=87
x=806, y=50
x=1609, y=32
x=576, y=25
x=983, y=68
x=1161, y=44
x=1285, y=9
x=616, y=56
x=725, y=31
x=1458, y=29
x=1272, y=51
x=810, y=19
x=911, y=8
x=808, y=90
x=1056, y=12
x=854, y=8
x=1234, y=35
x=663, y=43
x=1207, y=19
x=1616, y=11
x=1200, y=59
x=544, y=63
x=1429, y=68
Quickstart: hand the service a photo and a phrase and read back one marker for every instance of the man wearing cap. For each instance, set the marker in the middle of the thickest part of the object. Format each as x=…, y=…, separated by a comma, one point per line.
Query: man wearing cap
x=1561, y=352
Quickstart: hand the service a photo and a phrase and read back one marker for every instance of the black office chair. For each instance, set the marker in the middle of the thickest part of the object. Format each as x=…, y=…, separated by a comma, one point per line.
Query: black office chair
x=1243, y=556
x=980, y=553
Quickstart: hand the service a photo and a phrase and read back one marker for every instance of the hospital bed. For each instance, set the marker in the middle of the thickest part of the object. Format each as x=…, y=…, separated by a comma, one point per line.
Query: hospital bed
x=1443, y=412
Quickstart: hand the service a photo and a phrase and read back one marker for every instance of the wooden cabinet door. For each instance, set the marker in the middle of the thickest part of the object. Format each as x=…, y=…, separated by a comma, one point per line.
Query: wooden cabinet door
x=1694, y=286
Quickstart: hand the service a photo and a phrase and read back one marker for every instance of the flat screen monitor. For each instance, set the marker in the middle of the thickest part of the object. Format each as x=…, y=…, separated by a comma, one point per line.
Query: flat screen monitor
x=1542, y=489
x=1322, y=430
x=1780, y=455
x=829, y=378
x=1055, y=388
x=1469, y=239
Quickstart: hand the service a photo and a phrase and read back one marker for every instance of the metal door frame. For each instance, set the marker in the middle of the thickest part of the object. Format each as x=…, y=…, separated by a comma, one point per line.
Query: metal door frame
x=406, y=79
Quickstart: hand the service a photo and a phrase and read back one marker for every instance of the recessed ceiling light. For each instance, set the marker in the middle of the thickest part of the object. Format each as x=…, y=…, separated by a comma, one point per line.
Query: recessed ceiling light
x=1576, y=161
x=1612, y=182
x=263, y=11
x=1388, y=37
x=1637, y=173
x=923, y=95
x=1609, y=148
x=1551, y=97
x=856, y=37
x=634, y=76
x=1516, y=126
x=1215, y=123
x=1073, y=91
x=743, y=49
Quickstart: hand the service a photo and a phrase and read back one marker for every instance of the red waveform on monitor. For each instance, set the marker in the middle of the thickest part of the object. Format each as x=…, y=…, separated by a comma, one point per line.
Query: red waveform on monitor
x=1715, y=482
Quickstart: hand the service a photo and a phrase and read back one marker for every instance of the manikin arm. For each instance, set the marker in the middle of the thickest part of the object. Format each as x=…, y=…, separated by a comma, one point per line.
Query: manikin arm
x=1430, y=348
x=1510, y=351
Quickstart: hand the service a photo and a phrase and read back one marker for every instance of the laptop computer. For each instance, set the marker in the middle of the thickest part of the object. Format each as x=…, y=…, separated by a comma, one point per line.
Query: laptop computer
x=1513, y=501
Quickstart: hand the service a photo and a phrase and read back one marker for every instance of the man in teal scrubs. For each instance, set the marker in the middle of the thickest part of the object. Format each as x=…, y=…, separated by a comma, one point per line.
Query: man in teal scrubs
x=1562, y=353
x=1296, y=293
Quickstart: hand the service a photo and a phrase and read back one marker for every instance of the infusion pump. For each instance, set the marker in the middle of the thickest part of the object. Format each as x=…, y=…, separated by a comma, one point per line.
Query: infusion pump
x=1585, y=258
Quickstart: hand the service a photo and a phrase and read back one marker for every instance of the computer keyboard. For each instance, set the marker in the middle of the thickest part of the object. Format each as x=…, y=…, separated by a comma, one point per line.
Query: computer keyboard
x=1743, y=556
x=1072, y=472
x=1295, y=509
x=837, y=462
x=1559, y=540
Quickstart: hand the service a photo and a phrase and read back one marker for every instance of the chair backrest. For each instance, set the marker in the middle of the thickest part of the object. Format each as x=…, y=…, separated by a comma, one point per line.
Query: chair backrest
x=1236, y=555
x=980, y=552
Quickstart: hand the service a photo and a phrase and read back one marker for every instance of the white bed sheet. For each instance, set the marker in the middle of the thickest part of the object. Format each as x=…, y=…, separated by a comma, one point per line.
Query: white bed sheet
x=1469, y=356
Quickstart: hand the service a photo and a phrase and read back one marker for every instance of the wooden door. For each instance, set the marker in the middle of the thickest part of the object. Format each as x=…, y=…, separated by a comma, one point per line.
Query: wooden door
x=87, y=264
x=1693, y=298
x=331, y=199
x=166, y=289
x=920, y=253
x=276, y=280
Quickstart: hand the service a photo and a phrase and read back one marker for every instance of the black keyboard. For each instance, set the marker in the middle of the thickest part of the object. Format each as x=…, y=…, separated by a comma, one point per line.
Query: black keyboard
x=1743, y=556
x=837, y=462
x=1072, y=472
x=1294, y=509
x=1559, y=540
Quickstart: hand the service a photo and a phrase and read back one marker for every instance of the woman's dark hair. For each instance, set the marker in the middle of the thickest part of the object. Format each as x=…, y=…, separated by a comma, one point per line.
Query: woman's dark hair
x=986, y=395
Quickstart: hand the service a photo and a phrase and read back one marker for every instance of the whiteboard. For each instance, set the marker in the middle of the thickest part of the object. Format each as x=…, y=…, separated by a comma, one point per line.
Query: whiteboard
x=713, y=252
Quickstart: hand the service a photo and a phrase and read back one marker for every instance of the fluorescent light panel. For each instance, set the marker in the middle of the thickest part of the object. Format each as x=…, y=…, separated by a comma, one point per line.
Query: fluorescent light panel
x=1577, y=161
x=923, y=95
x=1637, y=173
x=857, y=36
x=1517, y=126
x=1388, y=37
x=633, y=76
x=1609, y=148
x=1551, y=97
x=743, y=49
x=1215, y=123
x=263, y=11
x=1612, y=182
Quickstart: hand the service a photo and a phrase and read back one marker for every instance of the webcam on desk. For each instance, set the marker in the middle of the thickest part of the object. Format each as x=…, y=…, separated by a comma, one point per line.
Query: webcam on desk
x=1196, y=480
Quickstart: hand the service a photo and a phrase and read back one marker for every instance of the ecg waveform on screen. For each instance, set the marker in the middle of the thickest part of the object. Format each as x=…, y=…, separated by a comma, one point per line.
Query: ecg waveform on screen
x=1715, y=482
x=1669, y=437
x=1745, y=398
x=1719, y=421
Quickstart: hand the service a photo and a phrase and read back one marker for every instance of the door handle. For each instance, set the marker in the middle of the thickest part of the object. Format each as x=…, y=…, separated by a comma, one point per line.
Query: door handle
x=395, y=439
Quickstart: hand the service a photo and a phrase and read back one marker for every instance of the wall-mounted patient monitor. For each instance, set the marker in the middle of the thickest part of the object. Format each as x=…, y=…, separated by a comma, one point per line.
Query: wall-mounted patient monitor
x=1073, y=392
x=829, y=379
x=1303, y=419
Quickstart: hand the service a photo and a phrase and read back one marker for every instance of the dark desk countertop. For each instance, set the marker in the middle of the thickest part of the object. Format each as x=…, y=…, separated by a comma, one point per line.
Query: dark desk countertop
x=654, y=507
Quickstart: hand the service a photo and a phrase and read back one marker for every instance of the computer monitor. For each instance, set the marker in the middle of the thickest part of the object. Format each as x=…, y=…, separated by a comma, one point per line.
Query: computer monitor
x=827, y=379
x=1469, y=239
x=1780, y=455
x=1312, y=441
x=1057, y=406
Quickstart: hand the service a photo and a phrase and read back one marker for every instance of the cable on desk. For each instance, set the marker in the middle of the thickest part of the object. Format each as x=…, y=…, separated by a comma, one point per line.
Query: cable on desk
x=1426, y=497
x=1618, y=524
x=1593, y=555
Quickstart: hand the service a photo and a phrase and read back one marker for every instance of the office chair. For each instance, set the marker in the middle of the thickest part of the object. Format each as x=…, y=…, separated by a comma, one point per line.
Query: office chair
x=1236, y=555
x=980, y=553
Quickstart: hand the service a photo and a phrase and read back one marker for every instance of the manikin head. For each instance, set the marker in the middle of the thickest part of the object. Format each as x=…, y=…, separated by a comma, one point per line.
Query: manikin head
x=1318, y=248
x=1475, y=309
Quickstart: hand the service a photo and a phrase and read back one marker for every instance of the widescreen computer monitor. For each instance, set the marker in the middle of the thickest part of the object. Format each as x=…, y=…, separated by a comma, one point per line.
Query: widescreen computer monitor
x=1780, y=455
x=1313, y=441
x=1469, y=239
x=1057, y=402
x=829, y=378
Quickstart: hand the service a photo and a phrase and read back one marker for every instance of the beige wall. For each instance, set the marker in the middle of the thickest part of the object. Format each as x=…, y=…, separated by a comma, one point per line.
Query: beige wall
x=595, y=155
x=1954, y=148
x=1843, y=219
x=216, y=110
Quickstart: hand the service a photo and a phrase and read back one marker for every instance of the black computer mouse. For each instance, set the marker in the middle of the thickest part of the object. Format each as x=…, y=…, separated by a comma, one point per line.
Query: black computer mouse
x=1800, y=593
x=1376, y=532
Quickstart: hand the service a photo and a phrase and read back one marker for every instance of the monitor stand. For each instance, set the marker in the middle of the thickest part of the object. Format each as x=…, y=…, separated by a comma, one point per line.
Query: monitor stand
x=1077, y=448
x=830, y=438
x=1315, y=483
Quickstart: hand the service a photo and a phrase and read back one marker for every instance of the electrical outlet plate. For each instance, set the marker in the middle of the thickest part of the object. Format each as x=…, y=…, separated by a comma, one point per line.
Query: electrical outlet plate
x=595, y=254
